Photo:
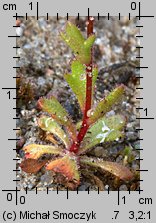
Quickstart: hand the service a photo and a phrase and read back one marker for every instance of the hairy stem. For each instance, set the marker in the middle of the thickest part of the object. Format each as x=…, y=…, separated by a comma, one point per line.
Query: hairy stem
x=88, y=103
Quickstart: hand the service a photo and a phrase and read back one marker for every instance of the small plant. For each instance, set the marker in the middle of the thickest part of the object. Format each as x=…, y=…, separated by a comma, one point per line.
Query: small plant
x=94, y=128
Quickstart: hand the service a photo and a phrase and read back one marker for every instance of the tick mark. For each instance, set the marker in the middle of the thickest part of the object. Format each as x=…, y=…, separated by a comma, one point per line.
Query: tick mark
x=119, y=16
x=98, y=16
x=108, y=16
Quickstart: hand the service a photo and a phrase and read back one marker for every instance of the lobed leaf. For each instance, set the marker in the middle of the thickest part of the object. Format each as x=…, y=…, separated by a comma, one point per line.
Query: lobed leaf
x=35, y=151
x=106, y=104
x=77, y=81
x=116, y=169
x=67, y=166
x=55, y=109
x=32, y=165
x=104, y=130
x=74, y=39
x=49, y=124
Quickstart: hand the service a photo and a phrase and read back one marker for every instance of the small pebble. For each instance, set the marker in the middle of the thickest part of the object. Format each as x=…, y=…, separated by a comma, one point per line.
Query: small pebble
x=100, y=152
x=131, y=135
x=119, y=159
x=19, y=31
x=106, y=187
x=83, y=187
x=27, y=46
x=47, y=178
x=135, y=166
x=41, y=81
x=123, y=187
x=113, y=151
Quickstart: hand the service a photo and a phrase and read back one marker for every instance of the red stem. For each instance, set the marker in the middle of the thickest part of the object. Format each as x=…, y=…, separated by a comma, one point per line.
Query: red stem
x=88, y=103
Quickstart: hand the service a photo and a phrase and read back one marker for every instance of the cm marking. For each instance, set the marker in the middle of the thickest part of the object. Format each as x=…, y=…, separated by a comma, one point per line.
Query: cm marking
x=145, y=200
x=9, y=7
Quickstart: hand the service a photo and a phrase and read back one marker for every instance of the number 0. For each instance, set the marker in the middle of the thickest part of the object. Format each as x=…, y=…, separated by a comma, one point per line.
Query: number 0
x=9, y=197
x=22, y=199
x=133, y=5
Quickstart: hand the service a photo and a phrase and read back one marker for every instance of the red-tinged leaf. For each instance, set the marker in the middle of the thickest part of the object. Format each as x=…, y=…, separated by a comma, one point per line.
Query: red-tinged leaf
x=32, y=165
x=55, y=109
x=67, y=166
x=35, y=151
x=116, y=169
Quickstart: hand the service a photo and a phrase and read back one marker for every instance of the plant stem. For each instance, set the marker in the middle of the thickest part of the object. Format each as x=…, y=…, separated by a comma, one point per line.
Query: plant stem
x=88, y=103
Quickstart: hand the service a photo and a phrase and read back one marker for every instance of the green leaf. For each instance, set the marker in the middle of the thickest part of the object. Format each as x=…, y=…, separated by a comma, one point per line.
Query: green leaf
x=77, y=81
x=55, y=109
x=67, y=166
x=104, y=130
x=106, y=104
x=74, y=39
x=49, y=124
x=116, y=169
x=35, y=151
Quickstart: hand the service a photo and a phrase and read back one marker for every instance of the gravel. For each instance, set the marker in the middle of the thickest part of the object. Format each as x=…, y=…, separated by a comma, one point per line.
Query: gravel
x=44, y=60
